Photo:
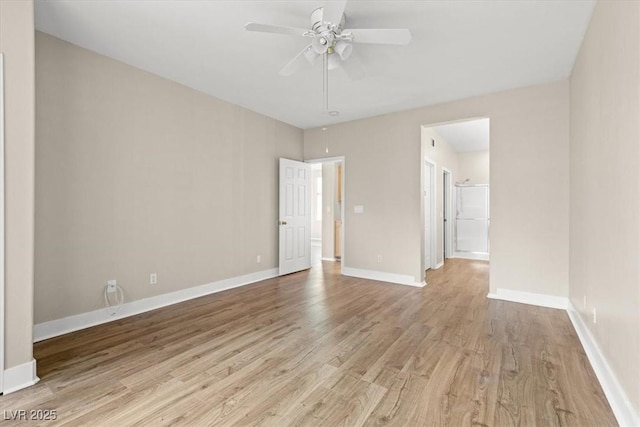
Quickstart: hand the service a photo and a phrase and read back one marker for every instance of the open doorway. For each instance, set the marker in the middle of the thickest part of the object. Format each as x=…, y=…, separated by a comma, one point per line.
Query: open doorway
x=316, y=213
x=456, y=200
x=327, y=207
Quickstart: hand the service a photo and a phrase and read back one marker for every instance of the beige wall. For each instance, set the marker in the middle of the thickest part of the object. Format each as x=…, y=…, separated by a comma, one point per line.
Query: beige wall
x=529, y=185
x=473, y=165
x=605, y=187
x=139, y=175
x=444, y=156
x=375, y=174
x=17, y=45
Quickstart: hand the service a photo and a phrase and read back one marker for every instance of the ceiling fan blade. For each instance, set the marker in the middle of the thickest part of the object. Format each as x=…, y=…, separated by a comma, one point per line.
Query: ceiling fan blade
x=380, y=36
x=333, y=11
x=353, y=68
x=275, y=29
x=293, y=65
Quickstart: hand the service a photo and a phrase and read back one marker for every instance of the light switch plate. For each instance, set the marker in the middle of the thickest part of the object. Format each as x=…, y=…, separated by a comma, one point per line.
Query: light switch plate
x=358, y=209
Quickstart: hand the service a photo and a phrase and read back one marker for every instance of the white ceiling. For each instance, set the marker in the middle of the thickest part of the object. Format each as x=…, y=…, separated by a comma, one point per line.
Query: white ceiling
x=459, y=49
x=471, y=135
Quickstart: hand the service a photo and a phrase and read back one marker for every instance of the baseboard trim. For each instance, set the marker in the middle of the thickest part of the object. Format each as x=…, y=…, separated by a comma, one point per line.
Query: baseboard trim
x=440, y=264
x=542, y=300
x=618, y=400
x=54, y=328
x=471, y=255
x=400, y=279
x=328, y=259
x=19, y=377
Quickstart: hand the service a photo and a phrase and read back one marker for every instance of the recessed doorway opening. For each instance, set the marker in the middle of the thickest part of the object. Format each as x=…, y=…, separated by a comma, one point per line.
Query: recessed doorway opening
x=455, y=187
x=327, y=207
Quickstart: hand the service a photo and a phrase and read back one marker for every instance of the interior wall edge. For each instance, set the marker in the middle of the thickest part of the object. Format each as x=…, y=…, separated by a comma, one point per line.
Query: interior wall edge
x=20, y=376
x=618, y=399
x=17, y=45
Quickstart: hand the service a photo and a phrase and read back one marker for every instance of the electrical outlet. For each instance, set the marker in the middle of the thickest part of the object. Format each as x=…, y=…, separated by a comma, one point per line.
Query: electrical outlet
x=584, y=302
x=153, y=279
x=379, y=258
x=259, y=259
x=594, y=316
x=111, y=286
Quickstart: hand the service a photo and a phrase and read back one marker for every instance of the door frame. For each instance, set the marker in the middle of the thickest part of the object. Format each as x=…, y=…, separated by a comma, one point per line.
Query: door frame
x=447, y=237
x=432, y=238
x=343, y=258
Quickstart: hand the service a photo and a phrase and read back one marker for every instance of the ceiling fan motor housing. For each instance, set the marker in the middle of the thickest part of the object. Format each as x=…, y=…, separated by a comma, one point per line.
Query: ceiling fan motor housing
x=318, y=25
x=326, y=33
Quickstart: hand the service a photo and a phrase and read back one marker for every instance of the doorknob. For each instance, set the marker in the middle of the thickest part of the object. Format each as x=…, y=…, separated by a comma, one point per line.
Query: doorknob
x=283, y=222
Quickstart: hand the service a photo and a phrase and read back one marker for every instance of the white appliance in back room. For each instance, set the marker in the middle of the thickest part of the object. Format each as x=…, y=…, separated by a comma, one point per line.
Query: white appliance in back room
x=472, y=221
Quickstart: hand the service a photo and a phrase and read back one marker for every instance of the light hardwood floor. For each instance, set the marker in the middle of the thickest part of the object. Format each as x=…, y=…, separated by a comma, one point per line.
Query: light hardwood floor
x=315, y=348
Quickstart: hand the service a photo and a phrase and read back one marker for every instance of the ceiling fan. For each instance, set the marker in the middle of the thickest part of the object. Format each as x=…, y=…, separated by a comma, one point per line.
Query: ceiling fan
x=329, y=39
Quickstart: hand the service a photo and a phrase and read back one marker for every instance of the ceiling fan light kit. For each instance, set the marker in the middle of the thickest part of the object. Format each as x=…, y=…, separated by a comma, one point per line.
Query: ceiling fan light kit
x=333, y=62
x=332, y=41
x=343, y=49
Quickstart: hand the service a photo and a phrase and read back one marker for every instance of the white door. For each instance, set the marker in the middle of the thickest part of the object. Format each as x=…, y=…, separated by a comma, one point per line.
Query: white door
x=295, y=216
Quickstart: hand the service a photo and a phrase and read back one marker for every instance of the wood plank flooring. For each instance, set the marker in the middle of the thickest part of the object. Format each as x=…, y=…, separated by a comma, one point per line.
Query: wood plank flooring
x=316, y=348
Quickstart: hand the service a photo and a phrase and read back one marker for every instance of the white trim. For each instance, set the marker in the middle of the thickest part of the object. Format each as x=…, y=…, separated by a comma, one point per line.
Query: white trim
x=450, y=122
x=326, y=160
x=54, y=328
x=438, y=265
x=618, y=400
x=400, y=279
x=432, y=211
x=343, y=216
x=472, y=255
x=20, y=377
x=541, y=300
x=328, y=259
x=447, y=212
